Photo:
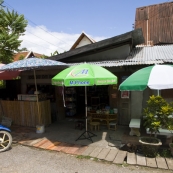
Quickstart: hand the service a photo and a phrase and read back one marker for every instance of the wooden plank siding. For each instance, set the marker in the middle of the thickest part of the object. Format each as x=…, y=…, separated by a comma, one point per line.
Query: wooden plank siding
x=160, y=23
x=25, y=113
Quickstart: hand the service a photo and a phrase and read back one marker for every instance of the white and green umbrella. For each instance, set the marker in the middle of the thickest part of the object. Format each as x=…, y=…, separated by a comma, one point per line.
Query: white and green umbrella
x=156, y=77
x=84, y=75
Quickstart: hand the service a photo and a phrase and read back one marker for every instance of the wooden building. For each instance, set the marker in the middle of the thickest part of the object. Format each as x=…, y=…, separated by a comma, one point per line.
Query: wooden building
x=156, y=23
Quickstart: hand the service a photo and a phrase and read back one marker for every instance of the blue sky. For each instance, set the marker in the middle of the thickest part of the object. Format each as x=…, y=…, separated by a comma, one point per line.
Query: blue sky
x=56, y=24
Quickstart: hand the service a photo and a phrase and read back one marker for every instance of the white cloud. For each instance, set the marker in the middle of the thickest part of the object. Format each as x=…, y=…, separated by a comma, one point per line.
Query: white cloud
x=40, y=40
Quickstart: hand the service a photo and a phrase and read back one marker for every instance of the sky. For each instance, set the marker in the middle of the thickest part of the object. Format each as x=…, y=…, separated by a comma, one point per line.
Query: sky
x=55, y=25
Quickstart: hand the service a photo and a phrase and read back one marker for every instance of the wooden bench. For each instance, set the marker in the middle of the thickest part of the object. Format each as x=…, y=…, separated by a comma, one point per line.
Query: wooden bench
x=104, y=119
x=135, y=126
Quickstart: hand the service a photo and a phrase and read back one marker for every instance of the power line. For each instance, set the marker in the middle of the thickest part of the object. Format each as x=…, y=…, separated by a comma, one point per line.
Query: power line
x=44, y=40
x=40, y=28
x=48, y=32
x=40, y=45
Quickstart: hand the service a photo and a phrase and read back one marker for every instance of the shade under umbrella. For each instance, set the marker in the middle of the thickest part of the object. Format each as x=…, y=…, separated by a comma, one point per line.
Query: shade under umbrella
x=32, y=64
x=8, y=75
x=156, y=77
x=84, y=75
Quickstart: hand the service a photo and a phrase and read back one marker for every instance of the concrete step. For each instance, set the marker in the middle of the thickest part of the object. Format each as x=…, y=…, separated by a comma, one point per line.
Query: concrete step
x=111, y=155
x=131, y=158
x=121, y=155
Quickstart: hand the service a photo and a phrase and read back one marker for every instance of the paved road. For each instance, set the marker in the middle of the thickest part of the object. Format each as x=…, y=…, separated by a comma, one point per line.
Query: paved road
x=22, y=159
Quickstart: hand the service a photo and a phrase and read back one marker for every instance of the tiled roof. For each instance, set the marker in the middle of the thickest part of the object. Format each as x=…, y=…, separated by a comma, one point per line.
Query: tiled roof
x=141, y=55
x=18, y=55
x=25, y=55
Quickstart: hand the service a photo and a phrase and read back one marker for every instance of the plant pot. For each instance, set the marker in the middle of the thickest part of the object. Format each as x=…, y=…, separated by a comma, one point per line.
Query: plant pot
x=171, y=148
x=40, y=129
x=150, y=146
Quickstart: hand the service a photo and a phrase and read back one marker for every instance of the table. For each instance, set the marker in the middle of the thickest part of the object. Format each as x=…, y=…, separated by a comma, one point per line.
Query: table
x=104, y=119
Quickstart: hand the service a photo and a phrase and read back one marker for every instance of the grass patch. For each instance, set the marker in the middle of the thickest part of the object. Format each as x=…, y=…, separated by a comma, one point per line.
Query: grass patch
x=83, y=157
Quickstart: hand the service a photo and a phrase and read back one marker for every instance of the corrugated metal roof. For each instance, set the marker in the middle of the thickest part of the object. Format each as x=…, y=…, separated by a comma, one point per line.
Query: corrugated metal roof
x=141, y=55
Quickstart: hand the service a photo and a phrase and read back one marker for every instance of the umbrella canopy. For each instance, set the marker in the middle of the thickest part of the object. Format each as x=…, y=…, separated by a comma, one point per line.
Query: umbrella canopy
x=84, y=75
x=31, y=63
x=7, y=75
x=156, y=77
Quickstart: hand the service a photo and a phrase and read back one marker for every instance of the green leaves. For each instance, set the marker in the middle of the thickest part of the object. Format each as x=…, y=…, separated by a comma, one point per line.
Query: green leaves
x=12, y=26
x=156, y=114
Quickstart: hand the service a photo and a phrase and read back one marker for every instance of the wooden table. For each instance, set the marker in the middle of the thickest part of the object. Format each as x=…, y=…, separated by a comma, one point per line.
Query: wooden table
x=104, y=119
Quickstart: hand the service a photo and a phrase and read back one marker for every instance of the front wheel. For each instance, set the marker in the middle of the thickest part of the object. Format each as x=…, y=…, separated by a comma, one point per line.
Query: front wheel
x=5, y=140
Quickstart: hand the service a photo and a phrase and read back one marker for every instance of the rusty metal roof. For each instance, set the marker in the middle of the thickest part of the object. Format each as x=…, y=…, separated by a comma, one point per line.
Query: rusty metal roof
x=141, y=55
x=156, y=23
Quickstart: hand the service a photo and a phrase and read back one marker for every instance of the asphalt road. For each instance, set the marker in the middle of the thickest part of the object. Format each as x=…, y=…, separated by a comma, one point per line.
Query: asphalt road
x=23, y=159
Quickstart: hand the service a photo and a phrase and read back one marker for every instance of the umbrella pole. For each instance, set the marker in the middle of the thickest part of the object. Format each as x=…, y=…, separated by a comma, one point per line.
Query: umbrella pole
x=86, y=134
x=86, y=107
x=37, y=98
x=158, y=92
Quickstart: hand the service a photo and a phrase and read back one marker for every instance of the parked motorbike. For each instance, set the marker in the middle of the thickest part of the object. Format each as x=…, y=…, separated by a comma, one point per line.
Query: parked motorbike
x=5, y=138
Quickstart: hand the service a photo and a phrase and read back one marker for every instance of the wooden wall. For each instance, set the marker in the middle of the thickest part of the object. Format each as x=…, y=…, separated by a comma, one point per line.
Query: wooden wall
x=25, y=113
x=156, y=22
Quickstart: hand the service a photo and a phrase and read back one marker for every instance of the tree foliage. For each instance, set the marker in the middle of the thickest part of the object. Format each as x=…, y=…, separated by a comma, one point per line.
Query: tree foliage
x=22, y=49
x=54, y=53
x=12, y=26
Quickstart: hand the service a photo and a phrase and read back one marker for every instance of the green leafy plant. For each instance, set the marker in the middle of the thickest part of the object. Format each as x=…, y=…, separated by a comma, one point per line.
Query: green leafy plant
x=164, y=153
x=156, y=114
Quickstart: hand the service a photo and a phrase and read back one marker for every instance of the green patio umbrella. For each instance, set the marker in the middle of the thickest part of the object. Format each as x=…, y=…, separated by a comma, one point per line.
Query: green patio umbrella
x=84, y=75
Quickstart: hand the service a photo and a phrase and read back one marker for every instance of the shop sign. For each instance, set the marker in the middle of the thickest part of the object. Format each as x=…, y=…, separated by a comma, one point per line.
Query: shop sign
x=125, y=94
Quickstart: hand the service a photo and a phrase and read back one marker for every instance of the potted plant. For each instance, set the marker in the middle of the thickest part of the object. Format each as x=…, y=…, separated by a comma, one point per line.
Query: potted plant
x=155, y=117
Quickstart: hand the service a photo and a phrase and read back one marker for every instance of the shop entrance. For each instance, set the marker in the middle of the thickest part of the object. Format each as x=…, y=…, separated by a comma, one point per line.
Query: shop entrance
x=96, y=96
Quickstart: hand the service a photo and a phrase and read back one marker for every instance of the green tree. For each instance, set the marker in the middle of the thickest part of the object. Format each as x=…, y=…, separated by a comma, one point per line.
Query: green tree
x=1, y=2
x=55, y=53
x=12, y=26
x=21, y=57
x=22, y=49
x=43, y=56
